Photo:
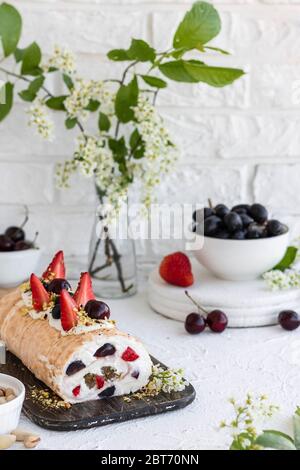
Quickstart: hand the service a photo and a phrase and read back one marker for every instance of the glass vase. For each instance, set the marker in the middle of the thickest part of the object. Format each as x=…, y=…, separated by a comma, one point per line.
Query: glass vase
x=112, y=257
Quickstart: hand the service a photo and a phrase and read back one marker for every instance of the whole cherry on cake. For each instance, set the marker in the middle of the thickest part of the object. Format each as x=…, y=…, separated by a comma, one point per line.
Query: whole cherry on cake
x=68, y=307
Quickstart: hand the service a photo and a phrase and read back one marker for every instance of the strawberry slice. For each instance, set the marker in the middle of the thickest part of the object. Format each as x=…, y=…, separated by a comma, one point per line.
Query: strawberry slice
x=84, y=291
x=100, y=381
x=129, y=355
x=76, y=391
x=40, y=297
x=56, y=268
x=68, y=309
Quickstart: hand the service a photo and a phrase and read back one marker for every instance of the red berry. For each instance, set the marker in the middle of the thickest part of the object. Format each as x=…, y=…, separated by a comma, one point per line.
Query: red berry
x=129, y=355
x=176, y=269
x=217, y=321
x=84, y=291
x=195, y=323
x=289, y=320
x=40, y=297
x=100, y=381
x=68, y=311
x=76, y=391
x=56, y=268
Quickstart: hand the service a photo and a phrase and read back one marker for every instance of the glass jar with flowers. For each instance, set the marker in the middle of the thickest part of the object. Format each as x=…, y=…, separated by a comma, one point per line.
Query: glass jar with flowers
x=129, y=143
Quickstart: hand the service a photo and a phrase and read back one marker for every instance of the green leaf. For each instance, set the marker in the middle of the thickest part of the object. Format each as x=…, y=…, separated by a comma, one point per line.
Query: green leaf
x=119, y=149
x=296, y=426
x=9, y=97
x=175, y=70
x=118, y=55
x=31, y=60
x=288, y=259
x=154, y=81
x=200, y=25
x=193, y=71
x=70, y=123
x=178, y=53
x=275, y=440
x=126, y=98
x=92, y=106
x=141, y=51
x=68, y=81
x=10, y=28
x=218, y=49
x=103, y=122
x=57, y=103
x=19, y=53
x=32, y=90
x=137, y=145
x=26, y=95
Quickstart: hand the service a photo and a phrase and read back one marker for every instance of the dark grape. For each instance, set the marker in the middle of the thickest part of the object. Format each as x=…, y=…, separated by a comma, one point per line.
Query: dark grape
x=259, y=213
x=233, y=221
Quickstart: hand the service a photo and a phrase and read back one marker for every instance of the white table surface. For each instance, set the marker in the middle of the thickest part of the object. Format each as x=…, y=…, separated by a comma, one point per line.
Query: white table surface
x=260, y=360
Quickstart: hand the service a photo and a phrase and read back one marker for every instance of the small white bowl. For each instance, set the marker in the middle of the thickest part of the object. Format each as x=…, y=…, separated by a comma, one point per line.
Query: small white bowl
x=10, y=412
x=241, y=260
x=16, y=266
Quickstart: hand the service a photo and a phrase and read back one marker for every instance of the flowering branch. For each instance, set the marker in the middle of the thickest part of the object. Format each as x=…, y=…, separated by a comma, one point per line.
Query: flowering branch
x=145, y=152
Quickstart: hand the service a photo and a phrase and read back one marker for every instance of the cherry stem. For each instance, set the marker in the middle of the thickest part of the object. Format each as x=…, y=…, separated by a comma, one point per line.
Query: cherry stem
x=210, y=203
x=35, y=238
x=26, y=217
x=196, y=303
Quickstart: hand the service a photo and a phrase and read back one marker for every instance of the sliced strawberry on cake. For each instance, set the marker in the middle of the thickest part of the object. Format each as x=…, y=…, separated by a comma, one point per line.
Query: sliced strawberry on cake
x=56, y=269
x=68, y=309
x=84, y=291
x=176, y=269
x=40, y=297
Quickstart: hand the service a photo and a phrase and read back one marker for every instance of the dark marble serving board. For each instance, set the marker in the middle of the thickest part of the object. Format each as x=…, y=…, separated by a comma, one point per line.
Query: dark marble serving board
x=92, y=413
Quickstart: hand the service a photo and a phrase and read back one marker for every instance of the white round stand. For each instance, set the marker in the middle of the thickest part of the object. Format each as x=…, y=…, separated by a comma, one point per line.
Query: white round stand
x=246, y=303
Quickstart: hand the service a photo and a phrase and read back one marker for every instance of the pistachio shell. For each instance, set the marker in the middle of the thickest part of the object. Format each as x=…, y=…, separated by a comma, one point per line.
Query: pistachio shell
x=6, y=441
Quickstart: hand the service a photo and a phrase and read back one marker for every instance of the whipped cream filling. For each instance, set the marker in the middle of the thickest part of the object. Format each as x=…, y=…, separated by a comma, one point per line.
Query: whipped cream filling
x=56, y=323
x=122, y=380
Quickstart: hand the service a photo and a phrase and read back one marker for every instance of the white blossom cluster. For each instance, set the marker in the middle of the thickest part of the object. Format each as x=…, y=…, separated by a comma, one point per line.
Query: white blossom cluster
x=166, y=380
x=160, y=152
x=93, y=158
x=39, y=118
x=249, y=417
x=281, y=280
x=84, y=91
x=63, y=60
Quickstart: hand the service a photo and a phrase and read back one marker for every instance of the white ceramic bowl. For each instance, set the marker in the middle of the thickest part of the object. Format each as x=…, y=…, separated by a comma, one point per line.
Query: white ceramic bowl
x=10, y=412
x=16, y=266
x=241, y=260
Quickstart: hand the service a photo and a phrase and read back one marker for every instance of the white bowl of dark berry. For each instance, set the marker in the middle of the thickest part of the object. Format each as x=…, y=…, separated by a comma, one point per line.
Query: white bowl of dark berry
x=241, y=243
x=19, y=257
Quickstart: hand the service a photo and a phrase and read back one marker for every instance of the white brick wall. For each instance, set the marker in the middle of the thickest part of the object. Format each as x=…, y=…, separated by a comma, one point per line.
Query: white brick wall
x=238, y=143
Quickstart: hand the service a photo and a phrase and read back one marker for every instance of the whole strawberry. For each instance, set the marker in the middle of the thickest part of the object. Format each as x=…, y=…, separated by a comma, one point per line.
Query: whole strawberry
x=176, y=269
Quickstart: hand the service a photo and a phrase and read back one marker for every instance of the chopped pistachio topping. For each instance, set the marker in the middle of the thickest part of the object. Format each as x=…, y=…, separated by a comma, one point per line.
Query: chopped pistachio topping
x=48, y=399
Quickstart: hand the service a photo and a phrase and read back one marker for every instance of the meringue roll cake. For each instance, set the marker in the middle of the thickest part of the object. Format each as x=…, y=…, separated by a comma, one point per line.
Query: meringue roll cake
x=68, y=341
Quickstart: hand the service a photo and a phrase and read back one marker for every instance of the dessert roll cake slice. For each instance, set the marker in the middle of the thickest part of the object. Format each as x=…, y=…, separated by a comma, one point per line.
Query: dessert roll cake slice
x=68, y=341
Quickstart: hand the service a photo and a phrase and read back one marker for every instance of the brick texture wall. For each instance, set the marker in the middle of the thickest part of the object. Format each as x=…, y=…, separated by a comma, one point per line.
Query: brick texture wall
x=240, y=143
